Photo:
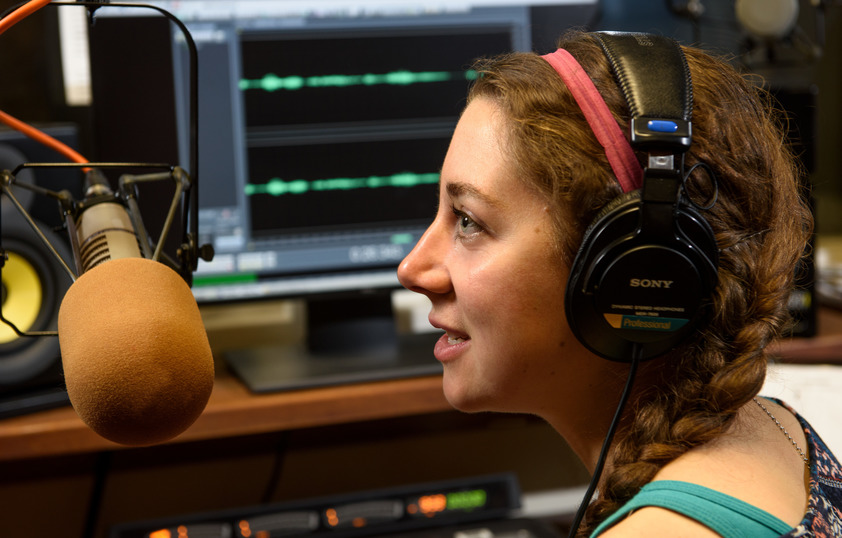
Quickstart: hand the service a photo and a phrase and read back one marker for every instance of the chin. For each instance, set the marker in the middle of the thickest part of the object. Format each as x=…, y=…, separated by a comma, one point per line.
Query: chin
x=466, y=406
x=457, y=397
x=462, y=399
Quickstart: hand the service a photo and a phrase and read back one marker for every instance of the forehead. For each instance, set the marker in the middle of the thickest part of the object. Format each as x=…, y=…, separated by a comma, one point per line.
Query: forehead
x=478, y=161
x=480, y=131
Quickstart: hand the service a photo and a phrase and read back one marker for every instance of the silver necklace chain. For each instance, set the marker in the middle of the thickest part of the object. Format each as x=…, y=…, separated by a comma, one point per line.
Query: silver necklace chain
x=788, y=436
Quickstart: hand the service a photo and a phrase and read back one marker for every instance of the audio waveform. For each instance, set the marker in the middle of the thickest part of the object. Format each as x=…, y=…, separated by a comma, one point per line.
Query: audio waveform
x=279, y=187
x=272, y=82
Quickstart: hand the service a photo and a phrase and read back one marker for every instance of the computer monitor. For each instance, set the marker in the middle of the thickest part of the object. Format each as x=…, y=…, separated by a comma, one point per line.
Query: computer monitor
x=322, y=129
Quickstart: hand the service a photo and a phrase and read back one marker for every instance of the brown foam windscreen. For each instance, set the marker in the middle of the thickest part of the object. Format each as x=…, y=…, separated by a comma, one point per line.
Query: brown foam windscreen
x=136, y=357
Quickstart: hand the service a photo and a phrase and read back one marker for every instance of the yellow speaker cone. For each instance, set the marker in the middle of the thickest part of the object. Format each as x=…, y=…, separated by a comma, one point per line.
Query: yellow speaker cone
x=22, y=297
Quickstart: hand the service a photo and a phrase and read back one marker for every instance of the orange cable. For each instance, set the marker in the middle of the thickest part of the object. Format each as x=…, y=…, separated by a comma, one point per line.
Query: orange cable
x=42, y=137
x=21, y=13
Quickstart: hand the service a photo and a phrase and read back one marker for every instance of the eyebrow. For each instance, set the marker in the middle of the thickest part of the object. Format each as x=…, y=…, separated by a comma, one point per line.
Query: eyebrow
x=457, y=189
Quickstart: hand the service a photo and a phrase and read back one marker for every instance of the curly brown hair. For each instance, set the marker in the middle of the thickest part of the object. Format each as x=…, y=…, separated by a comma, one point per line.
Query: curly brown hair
x=760, y=220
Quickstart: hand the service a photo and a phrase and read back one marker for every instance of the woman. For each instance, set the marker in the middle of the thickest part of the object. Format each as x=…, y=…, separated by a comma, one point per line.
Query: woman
x=522, y=180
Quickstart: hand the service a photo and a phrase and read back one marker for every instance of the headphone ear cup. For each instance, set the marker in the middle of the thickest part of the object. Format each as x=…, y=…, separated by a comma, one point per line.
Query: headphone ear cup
x=617, y=207
x=632, y=286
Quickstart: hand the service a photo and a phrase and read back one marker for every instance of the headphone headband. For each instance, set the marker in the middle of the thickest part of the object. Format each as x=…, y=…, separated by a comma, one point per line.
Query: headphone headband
x=620, y=154
x=653, y=75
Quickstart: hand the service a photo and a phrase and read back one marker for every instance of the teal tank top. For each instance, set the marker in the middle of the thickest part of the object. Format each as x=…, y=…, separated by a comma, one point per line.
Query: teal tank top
x=726, y=515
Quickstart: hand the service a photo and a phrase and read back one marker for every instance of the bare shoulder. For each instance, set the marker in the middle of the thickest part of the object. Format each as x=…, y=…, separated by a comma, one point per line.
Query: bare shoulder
x=754, y=463
x=653, y=521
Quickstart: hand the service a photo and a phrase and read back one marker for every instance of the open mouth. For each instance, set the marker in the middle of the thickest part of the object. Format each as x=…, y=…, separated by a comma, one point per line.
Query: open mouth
x=454, y=339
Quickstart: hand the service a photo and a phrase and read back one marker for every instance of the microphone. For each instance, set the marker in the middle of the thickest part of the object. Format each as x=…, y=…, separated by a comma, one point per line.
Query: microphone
x=103, y=228
x=137, y=363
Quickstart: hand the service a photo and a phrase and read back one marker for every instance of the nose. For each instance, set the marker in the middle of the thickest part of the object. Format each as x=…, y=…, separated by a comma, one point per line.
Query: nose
x=424, y=269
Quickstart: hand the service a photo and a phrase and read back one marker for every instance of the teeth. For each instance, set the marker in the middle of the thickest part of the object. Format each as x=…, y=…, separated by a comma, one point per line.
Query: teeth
x=454, y=339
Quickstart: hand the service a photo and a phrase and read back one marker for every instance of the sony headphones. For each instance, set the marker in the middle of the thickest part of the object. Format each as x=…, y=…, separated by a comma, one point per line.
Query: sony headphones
x=648, y=262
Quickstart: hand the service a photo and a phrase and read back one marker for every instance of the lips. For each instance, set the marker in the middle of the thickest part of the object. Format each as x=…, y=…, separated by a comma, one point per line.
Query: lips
x=448, y=349
x=451, y=344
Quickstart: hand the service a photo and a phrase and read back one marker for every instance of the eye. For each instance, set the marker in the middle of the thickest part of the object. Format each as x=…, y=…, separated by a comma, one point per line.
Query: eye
x=465, y=224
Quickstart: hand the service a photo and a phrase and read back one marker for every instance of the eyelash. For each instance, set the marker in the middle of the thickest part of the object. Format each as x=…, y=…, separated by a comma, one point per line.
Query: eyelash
x=461, y=218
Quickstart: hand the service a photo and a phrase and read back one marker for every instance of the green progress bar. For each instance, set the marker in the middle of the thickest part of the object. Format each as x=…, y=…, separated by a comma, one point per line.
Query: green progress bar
x=212, y=280
x=279, y=187
x=272, y=82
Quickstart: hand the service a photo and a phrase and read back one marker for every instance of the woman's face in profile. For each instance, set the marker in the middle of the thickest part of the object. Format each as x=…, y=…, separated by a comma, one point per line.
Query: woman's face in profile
x=495, y=280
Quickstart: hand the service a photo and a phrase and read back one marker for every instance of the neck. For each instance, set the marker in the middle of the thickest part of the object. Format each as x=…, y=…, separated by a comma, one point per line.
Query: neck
x=585, y=422
x=583, y=418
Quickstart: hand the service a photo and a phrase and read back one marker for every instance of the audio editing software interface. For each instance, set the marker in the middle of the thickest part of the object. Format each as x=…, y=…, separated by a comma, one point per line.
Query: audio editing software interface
x=322, y=135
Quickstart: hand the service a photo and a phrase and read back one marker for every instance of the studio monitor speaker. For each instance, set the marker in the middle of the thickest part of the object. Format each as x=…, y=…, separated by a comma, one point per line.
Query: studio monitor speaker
x=33, y=282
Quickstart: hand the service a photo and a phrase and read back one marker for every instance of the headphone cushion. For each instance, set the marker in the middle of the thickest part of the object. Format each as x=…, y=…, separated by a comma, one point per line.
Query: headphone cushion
x=627, y=286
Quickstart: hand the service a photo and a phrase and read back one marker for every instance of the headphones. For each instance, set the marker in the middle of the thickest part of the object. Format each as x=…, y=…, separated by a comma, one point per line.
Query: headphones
x=648, y=262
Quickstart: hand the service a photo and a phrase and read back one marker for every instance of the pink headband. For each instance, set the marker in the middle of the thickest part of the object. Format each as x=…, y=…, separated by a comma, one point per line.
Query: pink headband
x=617, y=148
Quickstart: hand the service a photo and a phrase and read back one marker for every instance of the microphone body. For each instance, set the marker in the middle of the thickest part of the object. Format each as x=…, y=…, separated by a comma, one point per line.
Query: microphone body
x=105, y=232
x=137, y=363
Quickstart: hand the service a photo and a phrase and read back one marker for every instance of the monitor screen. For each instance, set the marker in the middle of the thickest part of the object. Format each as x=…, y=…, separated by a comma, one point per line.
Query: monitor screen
x=322, y=127
x=334, y=145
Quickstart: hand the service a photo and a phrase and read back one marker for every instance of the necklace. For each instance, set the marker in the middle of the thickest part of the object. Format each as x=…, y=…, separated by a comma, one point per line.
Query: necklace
x=781, y=426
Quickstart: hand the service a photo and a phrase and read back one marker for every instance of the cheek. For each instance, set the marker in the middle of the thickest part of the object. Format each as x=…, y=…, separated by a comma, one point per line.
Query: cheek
x=520, y=336
x=521, y=305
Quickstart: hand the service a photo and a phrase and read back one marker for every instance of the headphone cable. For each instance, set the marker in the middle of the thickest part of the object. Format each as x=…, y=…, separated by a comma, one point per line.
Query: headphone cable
x=636, y=352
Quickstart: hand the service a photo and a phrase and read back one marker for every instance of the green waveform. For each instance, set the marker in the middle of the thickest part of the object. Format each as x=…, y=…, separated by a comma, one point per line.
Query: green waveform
x=272, y=82
x=279, y=187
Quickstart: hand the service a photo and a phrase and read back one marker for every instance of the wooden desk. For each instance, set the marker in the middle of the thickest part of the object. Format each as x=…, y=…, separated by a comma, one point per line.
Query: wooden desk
x=231, y=411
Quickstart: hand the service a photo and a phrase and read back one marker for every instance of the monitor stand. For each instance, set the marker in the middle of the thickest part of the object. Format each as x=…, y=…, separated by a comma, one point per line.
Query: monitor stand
x=349, y=340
